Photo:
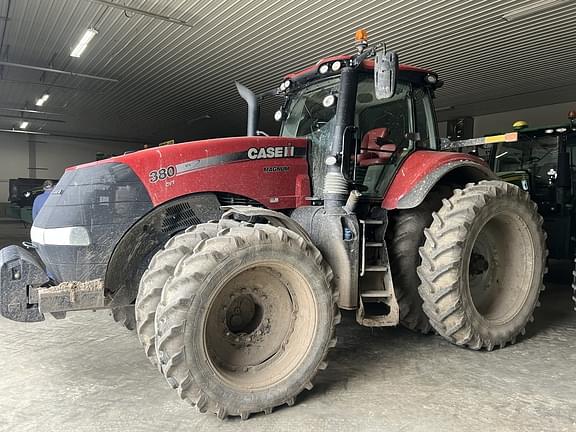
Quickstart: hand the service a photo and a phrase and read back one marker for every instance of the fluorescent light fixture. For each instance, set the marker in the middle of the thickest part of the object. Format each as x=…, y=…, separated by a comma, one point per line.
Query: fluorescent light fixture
x=444, y=108
x=501, y=154
x=42, y=100
x=24, y=124
x=533, y=8
x=84, y=41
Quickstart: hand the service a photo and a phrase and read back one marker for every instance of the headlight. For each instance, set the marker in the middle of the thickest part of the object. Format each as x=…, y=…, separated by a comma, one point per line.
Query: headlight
x=431, y=79
x=549, y=131
x=328, y=101
x=561, y=130
x=282, y=87
x=336, y=66
x=287, y=84
x=278, y=115
x=323, y=69
x=67, y=236
x=331, y=160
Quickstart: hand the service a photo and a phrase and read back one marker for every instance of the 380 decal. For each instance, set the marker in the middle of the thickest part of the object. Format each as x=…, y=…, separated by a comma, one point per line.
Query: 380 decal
x=162, y=174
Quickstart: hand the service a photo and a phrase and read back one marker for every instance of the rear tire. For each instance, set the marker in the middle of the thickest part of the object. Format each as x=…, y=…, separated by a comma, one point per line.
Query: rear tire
x=482, y=265
x=405, y=238
x=247, y=321
x=159, y=271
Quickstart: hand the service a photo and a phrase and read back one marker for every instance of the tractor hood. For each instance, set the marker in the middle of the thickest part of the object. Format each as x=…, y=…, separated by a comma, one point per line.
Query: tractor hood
x=266, y=169
x=95, y=204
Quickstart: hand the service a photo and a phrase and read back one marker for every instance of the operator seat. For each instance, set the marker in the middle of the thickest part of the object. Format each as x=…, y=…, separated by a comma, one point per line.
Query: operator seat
x=375, y=148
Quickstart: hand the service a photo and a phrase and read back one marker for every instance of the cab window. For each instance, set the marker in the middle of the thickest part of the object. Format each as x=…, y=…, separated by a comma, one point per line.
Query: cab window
x=383, y=126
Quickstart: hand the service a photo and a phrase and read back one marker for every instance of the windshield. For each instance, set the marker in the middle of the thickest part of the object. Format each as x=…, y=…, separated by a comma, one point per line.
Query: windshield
x=308, y=118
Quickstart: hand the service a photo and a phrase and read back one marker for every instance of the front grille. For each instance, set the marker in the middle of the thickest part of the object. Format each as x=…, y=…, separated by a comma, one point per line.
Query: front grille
x=228, y=199
x=178, y=217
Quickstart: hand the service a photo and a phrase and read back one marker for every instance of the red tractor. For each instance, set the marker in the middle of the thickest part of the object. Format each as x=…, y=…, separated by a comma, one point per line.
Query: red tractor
x=237, y=254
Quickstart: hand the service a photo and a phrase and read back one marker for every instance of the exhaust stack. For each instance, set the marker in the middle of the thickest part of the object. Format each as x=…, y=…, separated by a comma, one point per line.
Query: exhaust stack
x=253, y=108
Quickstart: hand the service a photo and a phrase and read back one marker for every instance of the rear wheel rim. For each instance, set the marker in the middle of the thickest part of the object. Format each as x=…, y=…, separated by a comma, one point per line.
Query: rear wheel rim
x=260, y=326
x=500, y=267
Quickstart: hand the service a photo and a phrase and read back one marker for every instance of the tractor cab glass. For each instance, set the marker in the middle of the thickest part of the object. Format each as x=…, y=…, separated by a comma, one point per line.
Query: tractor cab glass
x=531, y=163
x=383, y=126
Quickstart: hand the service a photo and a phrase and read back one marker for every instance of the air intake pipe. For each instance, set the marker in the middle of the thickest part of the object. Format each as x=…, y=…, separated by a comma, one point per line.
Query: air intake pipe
x=253, y=108
x=336, y=188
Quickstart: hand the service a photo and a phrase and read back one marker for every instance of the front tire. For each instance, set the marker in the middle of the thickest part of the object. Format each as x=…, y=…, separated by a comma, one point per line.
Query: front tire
x=246, y=321
x=160, y=269
x=482, y=265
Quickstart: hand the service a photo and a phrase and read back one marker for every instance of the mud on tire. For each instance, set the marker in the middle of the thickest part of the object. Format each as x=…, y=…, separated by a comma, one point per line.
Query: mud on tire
x=483, y=264
x=247, y=321
x=160, y=269
x=406, y=236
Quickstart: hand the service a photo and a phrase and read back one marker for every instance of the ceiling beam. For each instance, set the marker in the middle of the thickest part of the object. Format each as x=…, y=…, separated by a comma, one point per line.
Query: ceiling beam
x=30, y=111
x=57, y=71
x=23, y=132
x=133, y=141
x=31, y=119
x=42, y=84
x=142, y=12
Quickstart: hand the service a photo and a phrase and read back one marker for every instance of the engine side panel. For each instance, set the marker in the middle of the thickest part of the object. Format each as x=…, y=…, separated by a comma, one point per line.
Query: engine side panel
x=423, y=169
x=270, y=170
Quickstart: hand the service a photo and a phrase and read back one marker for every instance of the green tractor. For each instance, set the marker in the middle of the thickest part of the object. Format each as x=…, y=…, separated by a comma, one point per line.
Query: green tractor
x=541, y=161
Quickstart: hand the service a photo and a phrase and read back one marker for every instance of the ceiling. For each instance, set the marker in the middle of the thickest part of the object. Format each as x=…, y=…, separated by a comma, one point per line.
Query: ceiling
x=178, y=80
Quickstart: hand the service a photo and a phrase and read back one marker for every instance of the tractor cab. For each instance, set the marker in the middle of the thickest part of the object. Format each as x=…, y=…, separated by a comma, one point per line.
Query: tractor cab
x=380, y=128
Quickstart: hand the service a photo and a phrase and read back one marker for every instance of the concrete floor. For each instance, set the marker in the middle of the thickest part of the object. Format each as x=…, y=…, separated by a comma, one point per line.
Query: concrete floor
x=86, y=373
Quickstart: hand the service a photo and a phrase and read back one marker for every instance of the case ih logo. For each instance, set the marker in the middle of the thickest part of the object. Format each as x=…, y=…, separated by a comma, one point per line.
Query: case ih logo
x=270, y=152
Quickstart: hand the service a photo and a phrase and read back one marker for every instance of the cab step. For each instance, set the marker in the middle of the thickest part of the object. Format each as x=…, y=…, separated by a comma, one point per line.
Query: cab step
x=378, y=306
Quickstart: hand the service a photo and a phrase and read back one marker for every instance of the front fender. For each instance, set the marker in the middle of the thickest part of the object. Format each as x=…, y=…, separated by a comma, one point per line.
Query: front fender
x=423, y=169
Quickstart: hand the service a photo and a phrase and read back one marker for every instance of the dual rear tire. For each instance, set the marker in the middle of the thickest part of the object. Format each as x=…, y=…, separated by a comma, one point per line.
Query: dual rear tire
x=483, y=264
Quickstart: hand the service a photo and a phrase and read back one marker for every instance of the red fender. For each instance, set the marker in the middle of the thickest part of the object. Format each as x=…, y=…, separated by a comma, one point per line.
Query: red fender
x=423, y=169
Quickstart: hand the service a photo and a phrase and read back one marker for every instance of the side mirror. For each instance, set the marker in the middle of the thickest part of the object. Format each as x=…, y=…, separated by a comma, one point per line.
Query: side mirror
x=385, y=73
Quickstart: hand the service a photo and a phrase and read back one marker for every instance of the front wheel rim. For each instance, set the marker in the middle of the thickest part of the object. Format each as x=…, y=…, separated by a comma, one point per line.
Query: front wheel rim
x=259, y=326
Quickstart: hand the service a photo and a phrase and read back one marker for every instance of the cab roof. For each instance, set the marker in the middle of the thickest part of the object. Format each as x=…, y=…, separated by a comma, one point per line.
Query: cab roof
x=367, y=65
